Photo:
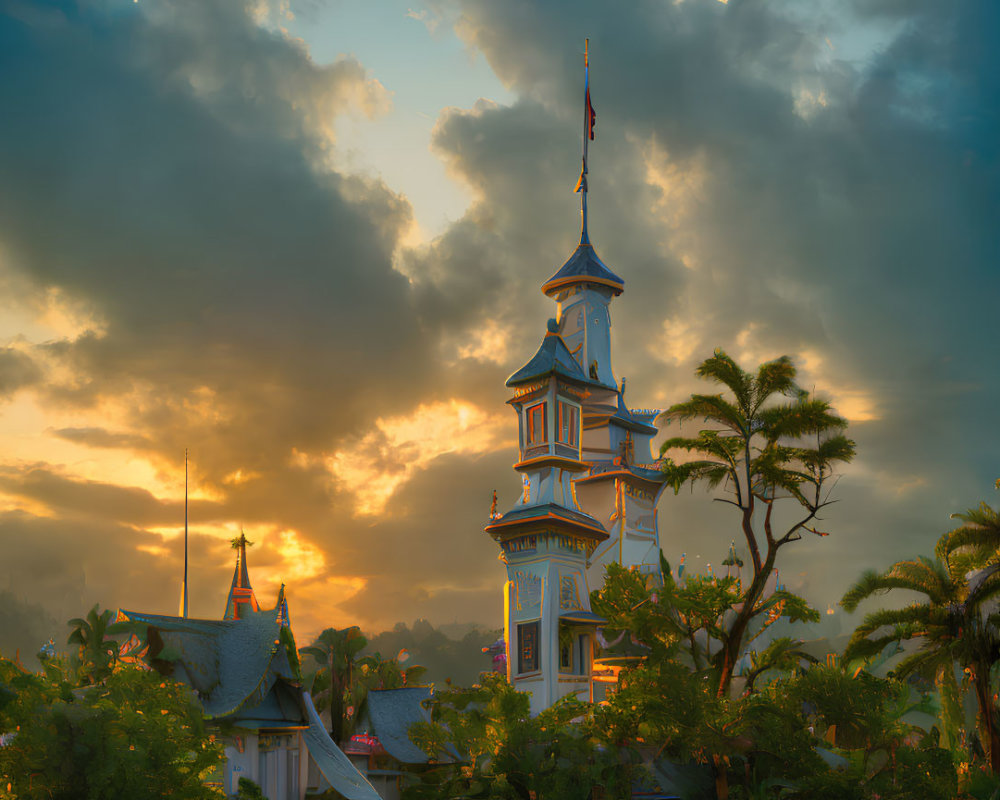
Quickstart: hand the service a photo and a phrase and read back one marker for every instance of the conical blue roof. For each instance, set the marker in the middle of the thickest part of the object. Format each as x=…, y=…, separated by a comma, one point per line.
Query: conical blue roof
x=552, y=358
x=583, y=267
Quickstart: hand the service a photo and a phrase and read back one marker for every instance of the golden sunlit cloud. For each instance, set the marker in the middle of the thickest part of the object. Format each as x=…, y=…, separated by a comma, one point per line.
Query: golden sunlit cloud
x=853, y=403
x=387, y=457
x=680, y=188
x=808, y=102
x=677, y=343
x=486, y=343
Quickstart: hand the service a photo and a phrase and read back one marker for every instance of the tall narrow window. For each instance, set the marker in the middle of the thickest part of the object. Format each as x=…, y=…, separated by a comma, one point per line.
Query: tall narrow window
x=569, y=423
x=527, y=647
x=536, y=424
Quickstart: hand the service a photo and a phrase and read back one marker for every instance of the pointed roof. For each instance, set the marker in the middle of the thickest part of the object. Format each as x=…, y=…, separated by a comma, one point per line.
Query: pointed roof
x=552, y=358
x=583, y=267
x=241, y=596
x=242, y=675
x=232, y=664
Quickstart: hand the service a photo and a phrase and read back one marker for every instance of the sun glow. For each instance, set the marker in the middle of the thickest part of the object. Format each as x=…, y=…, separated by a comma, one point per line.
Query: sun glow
x=386, y=457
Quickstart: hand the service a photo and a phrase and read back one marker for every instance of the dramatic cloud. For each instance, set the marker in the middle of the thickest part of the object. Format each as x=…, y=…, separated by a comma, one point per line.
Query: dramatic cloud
x=186, y=262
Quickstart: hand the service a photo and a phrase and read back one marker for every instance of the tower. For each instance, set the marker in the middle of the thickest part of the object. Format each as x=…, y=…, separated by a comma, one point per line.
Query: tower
x=589, y=485
x=621, y=486
x=545, y=539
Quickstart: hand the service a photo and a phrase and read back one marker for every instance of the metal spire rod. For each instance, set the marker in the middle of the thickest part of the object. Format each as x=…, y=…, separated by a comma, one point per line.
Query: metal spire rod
x=184, y=586
x=589, y=120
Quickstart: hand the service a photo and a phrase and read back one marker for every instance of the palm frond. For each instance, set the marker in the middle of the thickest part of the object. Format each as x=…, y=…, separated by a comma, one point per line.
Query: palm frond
x=808, y=415
x=722, y=369
x=901, y=575
x=981, y=531
x=774, y=377
x=708, y=407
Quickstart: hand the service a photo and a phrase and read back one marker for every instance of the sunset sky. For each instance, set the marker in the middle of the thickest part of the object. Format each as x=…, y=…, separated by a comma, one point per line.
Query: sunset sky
x=305, y=240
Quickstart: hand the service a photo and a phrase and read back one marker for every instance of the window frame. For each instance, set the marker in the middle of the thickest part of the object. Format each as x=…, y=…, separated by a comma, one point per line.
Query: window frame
x=574, y=432
x=530, y=434
x=536, y=662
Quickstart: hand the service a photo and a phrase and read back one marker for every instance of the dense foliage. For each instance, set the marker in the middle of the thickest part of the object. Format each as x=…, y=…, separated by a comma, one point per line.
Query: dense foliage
x=132, y=734
x=503, y=752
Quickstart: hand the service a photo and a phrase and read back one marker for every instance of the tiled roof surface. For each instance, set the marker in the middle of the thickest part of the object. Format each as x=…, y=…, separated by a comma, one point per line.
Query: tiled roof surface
x=392, y=712
x=584, y=266
x=335, y=766
x=552, y=358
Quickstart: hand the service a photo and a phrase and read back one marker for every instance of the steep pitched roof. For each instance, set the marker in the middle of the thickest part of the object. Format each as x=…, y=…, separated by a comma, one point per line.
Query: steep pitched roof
x=392, y=712
x=231, y=663
x=583, y=267
x=552, y=358
x=241, y=597
x=241, y=673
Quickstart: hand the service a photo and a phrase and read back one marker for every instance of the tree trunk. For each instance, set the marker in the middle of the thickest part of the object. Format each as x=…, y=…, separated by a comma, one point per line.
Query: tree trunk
x=951, y=706
x=721, y=778
x=987, y=713
x=733, y=645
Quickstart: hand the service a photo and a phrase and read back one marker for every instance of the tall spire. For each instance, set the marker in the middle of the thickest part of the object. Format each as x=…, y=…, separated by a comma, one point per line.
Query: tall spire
x=589, y=121
x=184, y=585
x=241, y=594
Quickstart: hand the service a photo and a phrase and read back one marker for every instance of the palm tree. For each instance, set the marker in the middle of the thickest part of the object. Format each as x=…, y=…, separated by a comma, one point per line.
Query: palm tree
x=952, y=625
x=97, y=653
x=336, y=651
x=976, y=543
x=759, y=448
x=782, y=655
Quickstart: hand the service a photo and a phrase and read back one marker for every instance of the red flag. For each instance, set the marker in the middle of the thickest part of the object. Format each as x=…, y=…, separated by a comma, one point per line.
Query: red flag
x=591, y=115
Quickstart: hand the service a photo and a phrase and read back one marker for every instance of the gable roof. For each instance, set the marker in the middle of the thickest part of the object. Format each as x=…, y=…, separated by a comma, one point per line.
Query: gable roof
x=240, y=671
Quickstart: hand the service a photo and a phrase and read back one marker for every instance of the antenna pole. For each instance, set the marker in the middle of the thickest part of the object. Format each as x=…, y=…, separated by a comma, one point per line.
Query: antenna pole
x=184, y=586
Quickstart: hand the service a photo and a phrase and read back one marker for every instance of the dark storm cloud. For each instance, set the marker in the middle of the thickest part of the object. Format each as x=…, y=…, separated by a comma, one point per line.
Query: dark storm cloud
x=124, y=504
x=102, y=437
x=166, y=177
x=70, y=565
x=432, y=553
x=833, y=207
x=166, y=167
x=169, y=168
x=17, y=370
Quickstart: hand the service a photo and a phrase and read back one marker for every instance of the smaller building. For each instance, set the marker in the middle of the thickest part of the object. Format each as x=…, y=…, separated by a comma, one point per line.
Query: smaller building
x=244, y=671
x=384, y=752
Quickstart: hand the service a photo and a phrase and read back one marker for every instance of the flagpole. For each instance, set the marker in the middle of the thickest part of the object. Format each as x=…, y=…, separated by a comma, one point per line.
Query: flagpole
x=184, y=586
x=584, y=236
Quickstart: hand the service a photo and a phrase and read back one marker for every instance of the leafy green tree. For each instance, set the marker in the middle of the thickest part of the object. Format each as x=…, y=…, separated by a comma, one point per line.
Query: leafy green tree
x=783, y=654
x=955, y=629
x=667, y=698
x=336, y=651
x=97, y=652
x=133, y=735
x=768, y=445
x=248, y=790
x=504, y=752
